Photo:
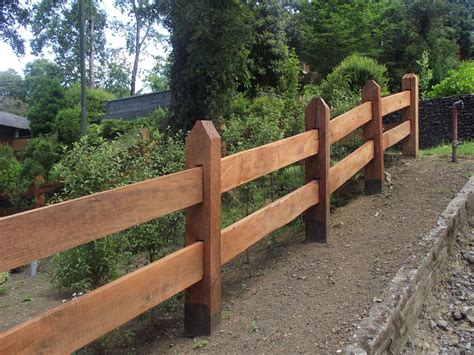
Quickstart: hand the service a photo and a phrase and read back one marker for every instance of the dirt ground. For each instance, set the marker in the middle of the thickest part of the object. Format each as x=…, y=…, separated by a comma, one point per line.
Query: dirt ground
x=446, y=322
x=292, y=296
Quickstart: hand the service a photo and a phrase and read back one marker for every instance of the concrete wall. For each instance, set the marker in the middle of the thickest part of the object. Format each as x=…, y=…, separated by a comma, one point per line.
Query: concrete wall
x=137, y=106
x=436, y=120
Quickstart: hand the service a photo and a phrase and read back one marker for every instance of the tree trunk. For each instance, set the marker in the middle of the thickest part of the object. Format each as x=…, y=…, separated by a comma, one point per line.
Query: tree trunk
x=91, y=51
x=137, y=58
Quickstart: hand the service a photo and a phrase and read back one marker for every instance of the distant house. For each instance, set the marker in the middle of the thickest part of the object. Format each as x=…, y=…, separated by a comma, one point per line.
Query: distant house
x=14, y=130
x=132, y=107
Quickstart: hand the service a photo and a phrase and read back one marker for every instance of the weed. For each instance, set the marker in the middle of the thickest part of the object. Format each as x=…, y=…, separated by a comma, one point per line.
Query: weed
x=226, y=313
x=3, y=291
x=26, y=299
x=253, y=327
x=200, y=343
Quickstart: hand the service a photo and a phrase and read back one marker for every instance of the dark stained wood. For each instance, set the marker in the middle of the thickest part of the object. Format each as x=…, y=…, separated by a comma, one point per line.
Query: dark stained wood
x=344, y=124
x=395, y=102
x=410, y=144
x=374, y=171
x=396, y=134
x=251, y=164
x=317, y=116
x=74, y=324
x=350, y=165
x=48, y=230
x=243, y=234
x=203, y=223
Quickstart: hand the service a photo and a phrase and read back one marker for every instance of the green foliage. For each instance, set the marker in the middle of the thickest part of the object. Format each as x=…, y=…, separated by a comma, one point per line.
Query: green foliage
x=4, y=276
x=208, y=64
x=14, y=14
x=88, y=266
x=342, y=87
x=425, y=74
x=459, y=81
x=465, y=150
x=40, y=155
x=95, y=164
x=12, y=183
x=68, y=125
x=95, y=101
x=11, y=84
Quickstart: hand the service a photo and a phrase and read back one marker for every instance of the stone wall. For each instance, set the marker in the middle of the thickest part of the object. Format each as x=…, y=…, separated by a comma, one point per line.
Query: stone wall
x=137, y=106
x=436, y=120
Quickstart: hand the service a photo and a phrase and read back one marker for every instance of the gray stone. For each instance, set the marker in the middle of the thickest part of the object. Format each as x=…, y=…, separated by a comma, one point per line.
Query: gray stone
x=442, y=324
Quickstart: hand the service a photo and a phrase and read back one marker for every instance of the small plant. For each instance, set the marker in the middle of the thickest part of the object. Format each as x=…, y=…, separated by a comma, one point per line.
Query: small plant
x=3, y=291
x=226, y=314
x=26, y=299
x=200, y=343
x=253, y=327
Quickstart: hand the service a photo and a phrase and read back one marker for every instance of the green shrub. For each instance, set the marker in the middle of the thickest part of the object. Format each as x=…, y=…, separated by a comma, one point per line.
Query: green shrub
x=341, y=89
x=95, y=164
x=68, y=125
x=458, y=82
x=95, y=101
x=4, y=276
x=12, y=183
x=39, y=157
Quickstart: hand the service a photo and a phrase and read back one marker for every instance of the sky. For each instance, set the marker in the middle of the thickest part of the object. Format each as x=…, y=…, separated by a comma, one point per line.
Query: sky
x=8, y=58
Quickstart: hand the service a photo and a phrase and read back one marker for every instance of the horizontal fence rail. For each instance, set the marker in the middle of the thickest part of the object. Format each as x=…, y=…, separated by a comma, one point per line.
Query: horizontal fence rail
x=70, y=326
x=195, y=269
x=48, y=230
x=251, y=164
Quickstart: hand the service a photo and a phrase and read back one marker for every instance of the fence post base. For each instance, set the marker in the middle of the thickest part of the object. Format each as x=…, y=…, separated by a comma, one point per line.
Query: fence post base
x=198, y=320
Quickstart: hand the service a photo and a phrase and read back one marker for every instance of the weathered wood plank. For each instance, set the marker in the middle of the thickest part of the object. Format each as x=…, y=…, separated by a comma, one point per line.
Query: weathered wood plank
x=350, y=165
x=74, y=324
x=202, y=301
x=45, y=231
x=410, y=145
x=316, y=218
x=395, y=102
x=344, y=124
x=396, y=134
x=249, y=230
x=251, y=164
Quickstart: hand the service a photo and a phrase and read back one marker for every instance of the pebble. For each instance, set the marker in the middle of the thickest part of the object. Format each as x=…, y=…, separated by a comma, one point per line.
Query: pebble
x=442, y=324
x=457, y=315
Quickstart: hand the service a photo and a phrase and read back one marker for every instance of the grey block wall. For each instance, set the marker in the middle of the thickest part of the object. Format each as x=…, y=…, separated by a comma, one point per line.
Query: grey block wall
x=137, y=106
x=436, y=120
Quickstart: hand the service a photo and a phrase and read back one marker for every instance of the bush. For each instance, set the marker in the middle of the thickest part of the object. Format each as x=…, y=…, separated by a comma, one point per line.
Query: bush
x=39, y=157
x=12, y=183
x=95, y=164
x=68, y=125
x=458, y=82
x=95, y=101
x=342, y=87
x=4, y=276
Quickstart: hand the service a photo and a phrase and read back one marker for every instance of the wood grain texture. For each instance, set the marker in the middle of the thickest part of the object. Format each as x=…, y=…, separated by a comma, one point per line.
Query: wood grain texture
x=203, y=223
x=74, y=324
x=410, y=145
x=395, y=102
x=317, y=116
x=249, y=230
x=344, y=124
x=45, y=231
x=350, y=165
x=251, y=164
x=374, y=171
x=396, y=134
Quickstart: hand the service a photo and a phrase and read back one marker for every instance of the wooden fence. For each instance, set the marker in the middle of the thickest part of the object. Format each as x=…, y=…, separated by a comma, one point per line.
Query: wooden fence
x=197, y=267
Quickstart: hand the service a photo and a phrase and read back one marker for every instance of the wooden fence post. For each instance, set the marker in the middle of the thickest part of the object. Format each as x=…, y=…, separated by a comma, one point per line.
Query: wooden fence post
x=410, y=144
x=373, y=130
x=317, y=116
x=203, y=223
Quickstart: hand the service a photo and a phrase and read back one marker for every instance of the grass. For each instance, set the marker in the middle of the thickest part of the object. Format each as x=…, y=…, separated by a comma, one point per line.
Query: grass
x=465, y=150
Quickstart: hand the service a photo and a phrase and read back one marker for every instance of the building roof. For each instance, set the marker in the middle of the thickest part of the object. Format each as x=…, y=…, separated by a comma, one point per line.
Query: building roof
x=15, y=121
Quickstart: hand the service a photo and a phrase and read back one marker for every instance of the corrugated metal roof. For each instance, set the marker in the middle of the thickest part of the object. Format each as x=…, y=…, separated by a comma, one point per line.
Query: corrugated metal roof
x=11, y=120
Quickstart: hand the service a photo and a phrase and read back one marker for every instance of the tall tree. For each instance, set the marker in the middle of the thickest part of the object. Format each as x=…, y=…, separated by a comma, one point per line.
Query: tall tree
x=13, y=16
x=210, y=41
x=140, y=31
x=12, y=92
x=55, y=26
